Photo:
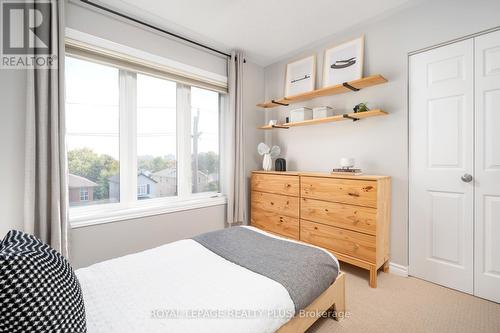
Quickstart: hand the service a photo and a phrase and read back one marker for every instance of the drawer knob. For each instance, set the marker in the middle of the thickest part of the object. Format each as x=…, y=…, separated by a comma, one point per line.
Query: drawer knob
x=368, y=188
x=315, y=228
x=272, y=203
x=288, y=185
x=353, y=194
x=281, y=219
x=356, y=246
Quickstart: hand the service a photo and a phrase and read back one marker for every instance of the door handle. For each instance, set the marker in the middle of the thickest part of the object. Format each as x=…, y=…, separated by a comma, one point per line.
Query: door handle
x=466, y=178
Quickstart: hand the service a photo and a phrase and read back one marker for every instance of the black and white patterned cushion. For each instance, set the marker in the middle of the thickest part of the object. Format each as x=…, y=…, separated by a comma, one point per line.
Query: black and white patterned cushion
x=38, y=290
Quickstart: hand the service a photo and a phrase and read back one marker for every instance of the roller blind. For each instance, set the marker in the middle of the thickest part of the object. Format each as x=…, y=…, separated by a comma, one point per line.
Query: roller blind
x=143, y=65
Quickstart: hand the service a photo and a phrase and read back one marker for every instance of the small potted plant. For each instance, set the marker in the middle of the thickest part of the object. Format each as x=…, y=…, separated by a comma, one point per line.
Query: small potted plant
x=361, y=107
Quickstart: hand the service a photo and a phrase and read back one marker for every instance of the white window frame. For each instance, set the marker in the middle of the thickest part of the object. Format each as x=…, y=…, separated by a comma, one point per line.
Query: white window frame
x=129, y=206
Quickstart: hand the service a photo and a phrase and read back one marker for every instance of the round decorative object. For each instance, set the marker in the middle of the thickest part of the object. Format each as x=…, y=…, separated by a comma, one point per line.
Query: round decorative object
x=39, y=290
x=275, y=151
x=262, y=148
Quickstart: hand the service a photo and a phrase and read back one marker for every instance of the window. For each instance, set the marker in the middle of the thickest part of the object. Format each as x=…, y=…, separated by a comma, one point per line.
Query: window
x=143, y=190
x=84, y=194
x=156, y=134
x=92, y=127
x=136, y=138
x=205, y=140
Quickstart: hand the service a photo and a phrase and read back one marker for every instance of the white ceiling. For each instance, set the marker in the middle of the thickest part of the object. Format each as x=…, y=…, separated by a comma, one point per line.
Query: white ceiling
x=266, y=30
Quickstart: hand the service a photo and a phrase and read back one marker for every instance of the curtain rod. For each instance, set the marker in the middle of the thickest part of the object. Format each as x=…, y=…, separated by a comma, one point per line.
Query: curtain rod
x=155, y=28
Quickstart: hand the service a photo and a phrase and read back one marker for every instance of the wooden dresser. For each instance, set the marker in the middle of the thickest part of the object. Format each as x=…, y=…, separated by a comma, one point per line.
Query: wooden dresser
x=347, y=215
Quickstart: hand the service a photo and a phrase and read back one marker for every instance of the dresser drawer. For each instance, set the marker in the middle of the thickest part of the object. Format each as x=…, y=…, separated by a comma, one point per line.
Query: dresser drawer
x=278, y=184
x=276, y=223
x=357, y=218
x=350, y=191
x=277, y=203
x=351, y=243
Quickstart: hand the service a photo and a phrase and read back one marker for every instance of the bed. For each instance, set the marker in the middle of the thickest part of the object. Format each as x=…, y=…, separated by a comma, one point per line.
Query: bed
x=240, y=279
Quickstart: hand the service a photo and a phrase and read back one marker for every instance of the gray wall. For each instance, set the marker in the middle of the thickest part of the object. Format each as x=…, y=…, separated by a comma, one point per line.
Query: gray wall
x=96, y=243
x=109, y=240
x=379, y=145
x=111, y=27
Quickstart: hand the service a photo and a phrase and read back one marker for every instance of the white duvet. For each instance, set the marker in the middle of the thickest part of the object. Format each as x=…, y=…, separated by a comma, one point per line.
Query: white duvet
x=181, y=287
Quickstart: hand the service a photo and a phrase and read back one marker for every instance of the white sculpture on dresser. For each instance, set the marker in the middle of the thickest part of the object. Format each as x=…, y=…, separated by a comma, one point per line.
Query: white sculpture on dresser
x=269, y=154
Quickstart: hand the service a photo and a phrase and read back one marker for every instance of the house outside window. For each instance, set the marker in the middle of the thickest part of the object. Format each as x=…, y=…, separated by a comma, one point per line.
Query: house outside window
x=146, y=186
x=80, y=190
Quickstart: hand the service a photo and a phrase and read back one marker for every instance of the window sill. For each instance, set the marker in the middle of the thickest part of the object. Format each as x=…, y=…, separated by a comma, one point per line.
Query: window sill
x=84, y=218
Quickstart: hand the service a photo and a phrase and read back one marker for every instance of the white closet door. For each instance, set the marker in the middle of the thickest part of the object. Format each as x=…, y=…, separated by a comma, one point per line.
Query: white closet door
x=487, y=169
x=441, y=153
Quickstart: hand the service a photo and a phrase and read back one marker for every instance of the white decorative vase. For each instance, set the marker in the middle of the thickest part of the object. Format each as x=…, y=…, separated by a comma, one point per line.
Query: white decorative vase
x=267, y=163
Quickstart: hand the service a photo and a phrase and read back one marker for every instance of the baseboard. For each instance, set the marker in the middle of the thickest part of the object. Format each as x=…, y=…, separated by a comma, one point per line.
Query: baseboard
x=397, y=269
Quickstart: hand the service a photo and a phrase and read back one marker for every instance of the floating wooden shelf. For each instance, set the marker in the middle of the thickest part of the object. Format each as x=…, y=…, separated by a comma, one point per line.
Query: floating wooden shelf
x=340, y=117
x=327, y=91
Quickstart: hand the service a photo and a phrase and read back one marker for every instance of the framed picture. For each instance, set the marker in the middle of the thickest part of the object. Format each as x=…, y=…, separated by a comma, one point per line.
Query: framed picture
x=300, y=76
x=344, y=62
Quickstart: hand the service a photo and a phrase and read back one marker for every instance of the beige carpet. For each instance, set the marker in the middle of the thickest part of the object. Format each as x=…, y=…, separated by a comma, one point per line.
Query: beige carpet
x=409, y=305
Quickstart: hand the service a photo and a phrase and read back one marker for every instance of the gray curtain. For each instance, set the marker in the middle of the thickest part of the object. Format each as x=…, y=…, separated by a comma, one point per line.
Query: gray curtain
x=235, y=191
x=46, y=199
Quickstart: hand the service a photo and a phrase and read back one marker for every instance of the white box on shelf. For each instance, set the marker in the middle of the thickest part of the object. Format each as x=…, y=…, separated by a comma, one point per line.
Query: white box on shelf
x=300, y=114
x=322, y=112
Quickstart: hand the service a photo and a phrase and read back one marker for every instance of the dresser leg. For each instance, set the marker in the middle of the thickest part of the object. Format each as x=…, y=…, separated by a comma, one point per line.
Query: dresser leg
x=373, y=277
x=386, y=267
